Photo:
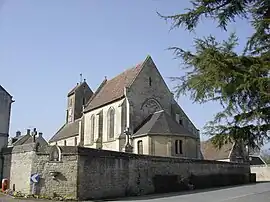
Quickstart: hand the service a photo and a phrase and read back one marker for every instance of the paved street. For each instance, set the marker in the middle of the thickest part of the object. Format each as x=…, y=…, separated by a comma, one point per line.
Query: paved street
x=249, y=193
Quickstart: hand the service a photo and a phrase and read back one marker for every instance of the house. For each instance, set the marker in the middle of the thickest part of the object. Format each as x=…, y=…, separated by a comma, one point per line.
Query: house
x=230, y=152
x=29, y=137
x=133, y=112
x=5, y=112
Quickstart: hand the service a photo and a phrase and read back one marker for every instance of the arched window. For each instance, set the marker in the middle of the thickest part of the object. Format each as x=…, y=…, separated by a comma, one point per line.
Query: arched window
x=65, y=143
x=92, y=133
x=110, y=123
x=140, y=147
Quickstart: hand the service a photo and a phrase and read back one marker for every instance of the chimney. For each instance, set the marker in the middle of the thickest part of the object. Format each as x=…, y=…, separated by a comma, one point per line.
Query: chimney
x=28, y=132
x=18, y=133
x=40, y=134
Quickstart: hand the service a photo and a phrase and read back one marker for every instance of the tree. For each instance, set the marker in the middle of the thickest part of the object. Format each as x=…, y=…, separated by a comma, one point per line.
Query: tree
x=215, y=72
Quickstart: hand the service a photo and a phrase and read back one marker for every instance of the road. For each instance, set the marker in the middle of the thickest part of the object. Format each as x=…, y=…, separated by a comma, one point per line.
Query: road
x=249, y=193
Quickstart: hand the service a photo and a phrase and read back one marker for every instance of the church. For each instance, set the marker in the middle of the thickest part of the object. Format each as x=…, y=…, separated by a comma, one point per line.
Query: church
x=132, y=112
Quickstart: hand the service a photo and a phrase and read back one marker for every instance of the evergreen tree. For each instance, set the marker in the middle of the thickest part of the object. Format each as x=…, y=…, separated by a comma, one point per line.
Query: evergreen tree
x=215, y=72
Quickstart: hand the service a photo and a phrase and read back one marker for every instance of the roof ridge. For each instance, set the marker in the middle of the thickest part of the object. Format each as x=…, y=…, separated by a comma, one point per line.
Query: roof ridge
x=50, y=140
x=142, y=65
x=119, y=74
x=5, y=90
x=75, y=88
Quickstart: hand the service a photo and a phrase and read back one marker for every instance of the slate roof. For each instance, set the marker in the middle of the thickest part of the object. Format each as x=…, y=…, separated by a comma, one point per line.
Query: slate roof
x=211, y=153
x=66, y=131
x=76, y=87
x=161, y=123
x=27, y=139
x=113, y=89
x=3, y=89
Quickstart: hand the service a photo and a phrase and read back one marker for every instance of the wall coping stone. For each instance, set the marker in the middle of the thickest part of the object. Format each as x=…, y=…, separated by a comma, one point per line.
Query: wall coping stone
x=82, y=151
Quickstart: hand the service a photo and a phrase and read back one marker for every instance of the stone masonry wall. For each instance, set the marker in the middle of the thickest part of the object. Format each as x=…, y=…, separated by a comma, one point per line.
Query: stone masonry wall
x=112, y=174
x=17, y=166
x=20, y=162
x=65, y=184
x=86, y=173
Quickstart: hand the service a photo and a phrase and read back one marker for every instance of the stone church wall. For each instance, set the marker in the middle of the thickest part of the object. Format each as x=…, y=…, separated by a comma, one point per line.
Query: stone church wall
x=86, y=173
x=112, y=174
x=20, y=162
x=65, y=182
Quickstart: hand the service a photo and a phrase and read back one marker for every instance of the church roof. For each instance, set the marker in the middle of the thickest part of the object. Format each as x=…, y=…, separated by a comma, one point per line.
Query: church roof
x=161, y=123
x=210, y=152
x=66, y=131
x=113, y=89
x=2, y=88
x=76, y=87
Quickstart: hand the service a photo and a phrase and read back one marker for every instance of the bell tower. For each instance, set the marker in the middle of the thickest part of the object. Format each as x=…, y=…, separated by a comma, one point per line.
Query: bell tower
x=77, y=99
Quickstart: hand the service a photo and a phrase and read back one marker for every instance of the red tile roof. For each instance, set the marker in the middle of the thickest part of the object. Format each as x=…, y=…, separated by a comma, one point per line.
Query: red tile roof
x=212, y=153
x=113, y=89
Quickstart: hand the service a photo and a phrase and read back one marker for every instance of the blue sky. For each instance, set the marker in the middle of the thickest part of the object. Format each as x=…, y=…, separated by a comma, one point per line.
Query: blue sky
x=45, y=45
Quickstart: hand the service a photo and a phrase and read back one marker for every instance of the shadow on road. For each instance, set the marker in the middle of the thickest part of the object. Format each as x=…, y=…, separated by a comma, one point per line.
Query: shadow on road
x=173, y=194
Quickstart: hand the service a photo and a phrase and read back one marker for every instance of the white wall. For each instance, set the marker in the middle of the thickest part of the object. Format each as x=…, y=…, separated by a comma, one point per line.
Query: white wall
x=69, y=141
x=107, y=143
x=262, y=172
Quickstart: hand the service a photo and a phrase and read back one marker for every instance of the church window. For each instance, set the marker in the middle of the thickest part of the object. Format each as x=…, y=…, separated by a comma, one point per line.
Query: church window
x=70, y=112
x=150, y=81
x=150, y=106
x=178, y=147
x=92, y=133
x=70, y=102
x=65, y=143
x=177, y=118
x=180, y=121
x=140, y=147
x=110, y=123
x=123, y=117
x=100, y=124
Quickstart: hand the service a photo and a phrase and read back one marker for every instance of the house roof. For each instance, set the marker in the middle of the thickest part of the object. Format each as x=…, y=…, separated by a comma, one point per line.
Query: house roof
x=66, y=131
x=210, y=152
x=161, y=123
x=113, y=89
x=2, y=88
x=27, y=139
